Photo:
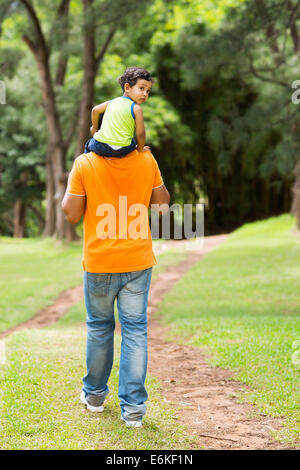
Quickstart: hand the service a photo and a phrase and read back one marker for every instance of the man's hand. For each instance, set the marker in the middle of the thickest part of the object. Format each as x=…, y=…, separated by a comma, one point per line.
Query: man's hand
x=146, y=148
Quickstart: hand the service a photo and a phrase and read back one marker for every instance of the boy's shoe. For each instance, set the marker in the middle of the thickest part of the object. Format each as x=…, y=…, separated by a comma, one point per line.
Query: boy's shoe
x=132, y=424
x=91, y=402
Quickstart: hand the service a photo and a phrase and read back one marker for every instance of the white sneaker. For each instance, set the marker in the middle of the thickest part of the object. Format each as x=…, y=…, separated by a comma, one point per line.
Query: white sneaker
x=92, y=404
x=132, y=424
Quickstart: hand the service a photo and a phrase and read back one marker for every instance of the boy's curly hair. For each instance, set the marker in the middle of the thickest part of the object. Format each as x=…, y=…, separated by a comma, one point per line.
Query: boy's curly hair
x=133, y=74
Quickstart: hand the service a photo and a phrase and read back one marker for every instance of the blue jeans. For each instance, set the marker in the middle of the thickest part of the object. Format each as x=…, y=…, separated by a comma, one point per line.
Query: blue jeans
x=131, y=290
x=104, y=150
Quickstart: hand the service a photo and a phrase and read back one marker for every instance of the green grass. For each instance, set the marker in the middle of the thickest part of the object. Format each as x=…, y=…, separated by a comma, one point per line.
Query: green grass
x=34, y=271
x=40, y=408
x=168, y=258
x=41, y=383
x=241, y=305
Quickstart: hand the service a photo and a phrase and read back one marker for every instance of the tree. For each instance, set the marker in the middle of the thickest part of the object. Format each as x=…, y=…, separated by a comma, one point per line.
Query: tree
x=258, y=45
x=97, y=21
x=21, y=157
x=216, y=75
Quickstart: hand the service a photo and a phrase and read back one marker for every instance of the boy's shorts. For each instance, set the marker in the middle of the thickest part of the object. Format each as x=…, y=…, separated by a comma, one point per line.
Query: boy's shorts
x=105, y=150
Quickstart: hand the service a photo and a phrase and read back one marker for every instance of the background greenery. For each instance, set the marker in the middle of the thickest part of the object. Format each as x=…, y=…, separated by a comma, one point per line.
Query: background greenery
x=220, y=120
x=222, y=125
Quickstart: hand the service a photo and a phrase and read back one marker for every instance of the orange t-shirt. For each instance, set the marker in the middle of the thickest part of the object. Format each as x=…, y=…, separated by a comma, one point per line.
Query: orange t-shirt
x=117, y=236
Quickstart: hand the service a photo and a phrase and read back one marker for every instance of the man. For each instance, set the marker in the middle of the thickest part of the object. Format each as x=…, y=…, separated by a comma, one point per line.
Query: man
x=113, y=194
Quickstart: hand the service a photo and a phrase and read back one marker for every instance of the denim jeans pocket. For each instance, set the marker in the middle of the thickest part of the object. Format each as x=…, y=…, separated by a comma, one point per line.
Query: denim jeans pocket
x=98, y=284
x=138, y=281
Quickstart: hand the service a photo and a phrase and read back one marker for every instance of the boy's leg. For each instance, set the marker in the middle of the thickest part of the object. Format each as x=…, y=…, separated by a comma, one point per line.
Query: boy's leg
x=100, y=148
x=132, y=307
x=104, y=150
x=87, y=146
x=122, y=152
x=99, y=292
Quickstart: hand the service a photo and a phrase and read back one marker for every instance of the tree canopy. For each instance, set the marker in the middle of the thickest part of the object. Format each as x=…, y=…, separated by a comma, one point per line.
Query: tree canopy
x=220, y=120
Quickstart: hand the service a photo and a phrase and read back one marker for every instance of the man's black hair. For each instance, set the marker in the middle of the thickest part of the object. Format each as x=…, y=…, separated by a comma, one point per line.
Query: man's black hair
x=133, y=74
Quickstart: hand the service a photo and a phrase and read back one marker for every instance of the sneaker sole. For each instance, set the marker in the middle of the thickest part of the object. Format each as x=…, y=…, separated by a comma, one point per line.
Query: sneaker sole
x=132, y=424
x=98, y=409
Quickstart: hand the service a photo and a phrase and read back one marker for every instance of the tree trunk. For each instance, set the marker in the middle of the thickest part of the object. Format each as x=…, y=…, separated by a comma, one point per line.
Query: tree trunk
x=19, y=219
x=57, y=147
x=39, y=216
x=92, y=61
x=287, y=195
x=60, y=187
x=87, y=103
x=295, y=207
x=87, y=100
x=56, y=180
x=49, y=229
x=70, y=232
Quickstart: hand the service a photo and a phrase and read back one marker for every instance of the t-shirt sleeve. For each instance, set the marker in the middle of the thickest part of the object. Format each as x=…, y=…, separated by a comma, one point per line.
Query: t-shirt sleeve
x=158, y=181
x=75, y=180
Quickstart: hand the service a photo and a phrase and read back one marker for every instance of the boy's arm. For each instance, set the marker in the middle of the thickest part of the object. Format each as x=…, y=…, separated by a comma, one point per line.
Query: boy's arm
x=96, y=111
x=139, y=127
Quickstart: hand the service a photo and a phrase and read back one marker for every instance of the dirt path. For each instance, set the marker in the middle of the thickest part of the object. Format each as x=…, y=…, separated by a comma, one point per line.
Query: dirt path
x=49, y=315
x=52, y=313
x=204, y=396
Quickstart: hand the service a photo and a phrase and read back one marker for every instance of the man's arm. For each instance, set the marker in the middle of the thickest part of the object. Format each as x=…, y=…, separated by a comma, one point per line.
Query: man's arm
x=160, y=199
x=73, y=207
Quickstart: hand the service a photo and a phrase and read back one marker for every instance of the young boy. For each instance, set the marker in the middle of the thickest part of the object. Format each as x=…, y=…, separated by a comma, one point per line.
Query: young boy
x=122, y=117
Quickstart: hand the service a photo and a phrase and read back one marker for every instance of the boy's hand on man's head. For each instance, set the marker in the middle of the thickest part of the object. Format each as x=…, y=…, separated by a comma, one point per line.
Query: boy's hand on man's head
x=146, y=148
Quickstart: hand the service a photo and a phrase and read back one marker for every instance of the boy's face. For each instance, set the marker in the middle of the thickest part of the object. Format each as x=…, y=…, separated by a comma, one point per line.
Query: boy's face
x=138, y=92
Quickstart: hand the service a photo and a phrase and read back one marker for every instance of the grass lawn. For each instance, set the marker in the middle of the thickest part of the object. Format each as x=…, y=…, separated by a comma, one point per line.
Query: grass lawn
x=34, y=271
x=168, y=258
x=40, y=408
x=41, y=377
x=241, y=304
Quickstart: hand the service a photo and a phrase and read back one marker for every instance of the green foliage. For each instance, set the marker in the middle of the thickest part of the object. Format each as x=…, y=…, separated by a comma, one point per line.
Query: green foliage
x=243, y=125
x=22, y=153
x=219, y=117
